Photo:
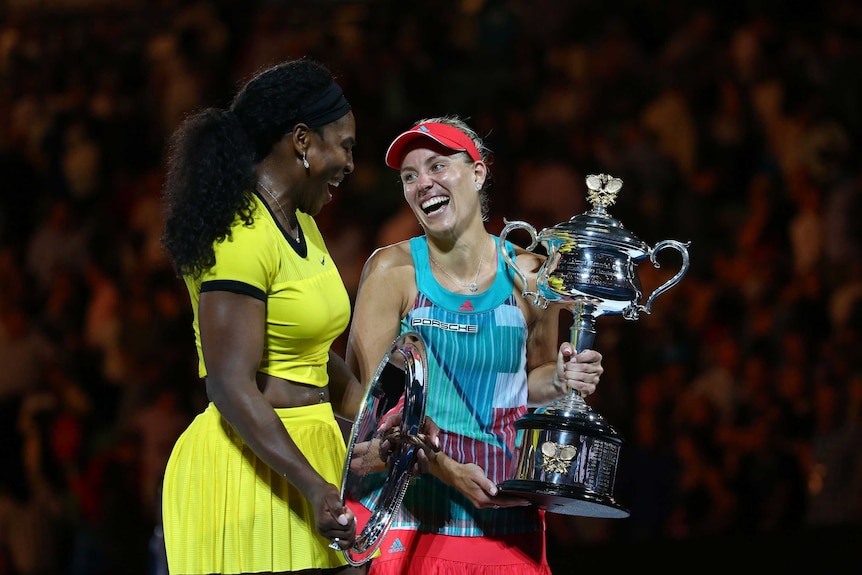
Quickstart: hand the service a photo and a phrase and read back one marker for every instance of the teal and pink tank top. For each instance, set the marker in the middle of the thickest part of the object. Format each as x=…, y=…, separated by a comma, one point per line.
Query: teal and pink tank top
x=476, y=347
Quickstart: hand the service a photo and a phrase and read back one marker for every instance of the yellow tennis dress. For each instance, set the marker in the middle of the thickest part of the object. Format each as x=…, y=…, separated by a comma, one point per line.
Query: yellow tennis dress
x=224, y=510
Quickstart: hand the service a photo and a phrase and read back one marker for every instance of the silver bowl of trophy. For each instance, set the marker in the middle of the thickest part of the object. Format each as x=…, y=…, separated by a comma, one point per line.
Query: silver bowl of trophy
x=568, y=453
x=379, y=465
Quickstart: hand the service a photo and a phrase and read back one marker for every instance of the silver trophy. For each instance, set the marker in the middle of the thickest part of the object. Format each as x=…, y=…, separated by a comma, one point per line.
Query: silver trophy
x=568, y=453
x=374, y=483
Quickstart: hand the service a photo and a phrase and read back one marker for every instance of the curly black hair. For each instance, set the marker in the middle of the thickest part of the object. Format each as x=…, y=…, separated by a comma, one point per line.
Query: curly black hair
x=212, y=157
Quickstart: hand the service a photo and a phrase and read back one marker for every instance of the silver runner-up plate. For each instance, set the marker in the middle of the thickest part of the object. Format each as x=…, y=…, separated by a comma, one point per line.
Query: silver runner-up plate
x=375, y=479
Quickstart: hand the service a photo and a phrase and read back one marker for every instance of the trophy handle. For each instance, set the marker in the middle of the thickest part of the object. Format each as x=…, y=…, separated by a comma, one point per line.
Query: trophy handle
x=682, y=248
x=538, y=300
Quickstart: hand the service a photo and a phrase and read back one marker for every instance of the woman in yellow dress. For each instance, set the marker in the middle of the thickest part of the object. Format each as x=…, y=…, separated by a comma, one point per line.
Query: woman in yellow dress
x=253, y=484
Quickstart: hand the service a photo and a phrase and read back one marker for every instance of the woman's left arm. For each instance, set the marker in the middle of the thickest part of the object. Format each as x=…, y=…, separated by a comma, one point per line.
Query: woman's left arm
x=553, y=369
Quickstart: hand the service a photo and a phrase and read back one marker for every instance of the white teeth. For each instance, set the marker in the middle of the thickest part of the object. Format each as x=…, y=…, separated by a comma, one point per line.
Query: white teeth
x=428, y=205
x=334, y=184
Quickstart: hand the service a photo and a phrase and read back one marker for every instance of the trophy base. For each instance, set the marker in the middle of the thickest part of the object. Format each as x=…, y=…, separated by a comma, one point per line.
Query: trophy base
x=564, y=499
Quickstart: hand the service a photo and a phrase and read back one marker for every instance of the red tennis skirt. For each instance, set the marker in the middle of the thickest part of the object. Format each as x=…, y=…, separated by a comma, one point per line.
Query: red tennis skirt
x=410, y=552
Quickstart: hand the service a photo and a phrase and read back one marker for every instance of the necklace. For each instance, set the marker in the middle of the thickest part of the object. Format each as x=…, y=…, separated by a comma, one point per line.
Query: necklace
x=472, y=286
x=298, y=237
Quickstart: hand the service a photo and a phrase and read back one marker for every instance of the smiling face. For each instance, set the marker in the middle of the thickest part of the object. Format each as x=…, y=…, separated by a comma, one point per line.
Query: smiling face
x=441, y=188
x=330, y=159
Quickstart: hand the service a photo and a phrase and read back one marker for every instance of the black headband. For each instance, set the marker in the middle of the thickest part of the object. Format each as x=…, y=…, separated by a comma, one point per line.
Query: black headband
x=329, y=106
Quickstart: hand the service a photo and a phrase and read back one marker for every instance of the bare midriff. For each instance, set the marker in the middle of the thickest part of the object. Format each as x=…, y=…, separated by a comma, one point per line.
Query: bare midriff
x=285, y=393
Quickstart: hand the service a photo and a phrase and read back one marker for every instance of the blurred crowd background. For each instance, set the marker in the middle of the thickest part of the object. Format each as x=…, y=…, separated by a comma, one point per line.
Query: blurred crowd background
x=734, y=125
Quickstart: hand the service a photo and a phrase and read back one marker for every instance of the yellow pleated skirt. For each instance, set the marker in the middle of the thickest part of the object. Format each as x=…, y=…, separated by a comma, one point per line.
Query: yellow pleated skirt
x=226, y=511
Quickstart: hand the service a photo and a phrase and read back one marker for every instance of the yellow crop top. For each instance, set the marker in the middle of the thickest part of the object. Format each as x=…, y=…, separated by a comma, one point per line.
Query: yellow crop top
x=307, y=305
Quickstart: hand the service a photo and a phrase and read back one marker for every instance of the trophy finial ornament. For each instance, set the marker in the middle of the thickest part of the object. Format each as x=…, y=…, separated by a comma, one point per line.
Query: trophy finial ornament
x=591, y=270
x=603, y=190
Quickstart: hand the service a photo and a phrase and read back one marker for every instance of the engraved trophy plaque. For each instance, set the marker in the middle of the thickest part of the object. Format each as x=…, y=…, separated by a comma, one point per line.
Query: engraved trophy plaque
x=568, y=452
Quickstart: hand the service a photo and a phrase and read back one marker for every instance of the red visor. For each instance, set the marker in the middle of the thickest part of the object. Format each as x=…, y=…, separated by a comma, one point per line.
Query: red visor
x=447, y=136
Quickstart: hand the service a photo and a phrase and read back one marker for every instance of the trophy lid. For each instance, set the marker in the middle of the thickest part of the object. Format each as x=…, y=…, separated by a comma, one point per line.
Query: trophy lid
x=597, y=227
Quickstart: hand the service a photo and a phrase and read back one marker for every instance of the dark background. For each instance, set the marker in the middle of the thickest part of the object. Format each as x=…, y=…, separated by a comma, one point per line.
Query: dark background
x=734, y=125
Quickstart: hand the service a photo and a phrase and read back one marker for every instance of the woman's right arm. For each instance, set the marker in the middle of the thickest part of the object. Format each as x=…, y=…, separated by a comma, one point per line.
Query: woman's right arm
x=385, y=287
x=232, y=331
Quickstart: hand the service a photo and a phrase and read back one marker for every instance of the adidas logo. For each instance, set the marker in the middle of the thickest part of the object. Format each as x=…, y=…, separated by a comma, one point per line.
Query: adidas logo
x=397, y=546
x=466, y=306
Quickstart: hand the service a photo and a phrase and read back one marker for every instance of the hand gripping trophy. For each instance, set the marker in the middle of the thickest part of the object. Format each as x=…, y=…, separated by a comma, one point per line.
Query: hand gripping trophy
x=569, y=454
